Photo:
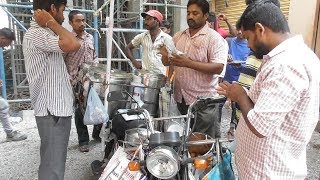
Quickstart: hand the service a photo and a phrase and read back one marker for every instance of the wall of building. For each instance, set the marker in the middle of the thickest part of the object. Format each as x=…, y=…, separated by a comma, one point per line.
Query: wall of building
x=302, y=19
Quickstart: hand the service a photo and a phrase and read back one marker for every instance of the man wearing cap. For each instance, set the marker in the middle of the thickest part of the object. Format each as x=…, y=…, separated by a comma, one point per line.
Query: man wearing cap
x=150, y=42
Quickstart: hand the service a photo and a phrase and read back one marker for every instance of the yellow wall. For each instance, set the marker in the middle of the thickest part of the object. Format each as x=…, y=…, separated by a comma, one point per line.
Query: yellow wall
x=302, y=16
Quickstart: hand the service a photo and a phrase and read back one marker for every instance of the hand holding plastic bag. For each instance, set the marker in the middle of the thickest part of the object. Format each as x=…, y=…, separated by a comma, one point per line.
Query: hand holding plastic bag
x=95, y=111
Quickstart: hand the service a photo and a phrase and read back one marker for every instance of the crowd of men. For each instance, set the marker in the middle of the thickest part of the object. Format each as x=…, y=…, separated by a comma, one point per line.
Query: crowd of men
x=267, y=74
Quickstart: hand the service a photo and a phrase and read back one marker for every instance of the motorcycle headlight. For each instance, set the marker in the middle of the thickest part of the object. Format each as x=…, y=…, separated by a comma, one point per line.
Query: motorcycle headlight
x=163, y=162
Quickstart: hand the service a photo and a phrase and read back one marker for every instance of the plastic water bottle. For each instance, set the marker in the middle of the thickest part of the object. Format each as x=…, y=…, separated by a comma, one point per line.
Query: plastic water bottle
x=138, y=92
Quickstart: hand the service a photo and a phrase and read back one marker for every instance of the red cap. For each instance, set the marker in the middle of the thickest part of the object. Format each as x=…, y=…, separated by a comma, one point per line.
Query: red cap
x=153, y=13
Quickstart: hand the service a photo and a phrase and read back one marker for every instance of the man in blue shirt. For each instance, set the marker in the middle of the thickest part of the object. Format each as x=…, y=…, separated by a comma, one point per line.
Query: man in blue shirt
x=237, y=56
x=238, y=53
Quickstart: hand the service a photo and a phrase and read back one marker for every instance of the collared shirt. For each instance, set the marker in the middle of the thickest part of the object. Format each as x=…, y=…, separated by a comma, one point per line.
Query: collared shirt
x=151, y=58
x=49, y=83
x=86, y=54
x=206, y=46
x=286, y=110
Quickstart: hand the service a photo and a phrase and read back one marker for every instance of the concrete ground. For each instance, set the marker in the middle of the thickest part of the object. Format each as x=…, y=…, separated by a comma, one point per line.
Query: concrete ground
x=20, y=160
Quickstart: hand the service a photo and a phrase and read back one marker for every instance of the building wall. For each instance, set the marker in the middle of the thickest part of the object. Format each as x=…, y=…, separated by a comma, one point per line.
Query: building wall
x=302, y=19
x=235, y=9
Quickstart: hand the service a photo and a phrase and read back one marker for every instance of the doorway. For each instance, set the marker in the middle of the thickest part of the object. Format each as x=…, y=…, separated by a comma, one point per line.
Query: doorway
x=317, y=31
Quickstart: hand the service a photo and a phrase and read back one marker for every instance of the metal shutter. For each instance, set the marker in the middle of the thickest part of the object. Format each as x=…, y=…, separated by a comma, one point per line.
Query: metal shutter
x=236, y=8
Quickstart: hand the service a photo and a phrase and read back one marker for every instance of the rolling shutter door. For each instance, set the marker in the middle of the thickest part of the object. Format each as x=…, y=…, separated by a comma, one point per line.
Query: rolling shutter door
x=236, y=7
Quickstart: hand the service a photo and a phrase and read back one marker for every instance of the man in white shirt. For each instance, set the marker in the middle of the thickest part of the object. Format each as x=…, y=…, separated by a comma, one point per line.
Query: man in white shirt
x=150, y=42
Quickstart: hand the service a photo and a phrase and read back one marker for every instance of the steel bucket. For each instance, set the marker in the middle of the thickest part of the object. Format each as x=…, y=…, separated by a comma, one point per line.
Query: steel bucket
x=96, y=74
x=153, y=83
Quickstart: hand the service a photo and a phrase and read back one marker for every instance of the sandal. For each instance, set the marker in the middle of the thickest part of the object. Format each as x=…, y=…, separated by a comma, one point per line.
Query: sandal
x=84, y=148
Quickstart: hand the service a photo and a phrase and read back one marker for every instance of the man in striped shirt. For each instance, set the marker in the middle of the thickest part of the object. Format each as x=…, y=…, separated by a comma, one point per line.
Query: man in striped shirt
x=49, y=84
x=198, y=69
x=75, y=61
x=281, y=109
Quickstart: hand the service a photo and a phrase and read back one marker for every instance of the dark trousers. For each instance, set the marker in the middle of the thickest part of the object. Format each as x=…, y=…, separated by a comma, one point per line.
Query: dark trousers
x=82, y=130
x=207, y=119
x=234, y=118
x=54, y=134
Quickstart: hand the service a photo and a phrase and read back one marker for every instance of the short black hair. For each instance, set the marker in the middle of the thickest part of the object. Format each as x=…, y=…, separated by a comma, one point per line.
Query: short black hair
x=45, y=4
x=275, y=2
x=238, y=24
x=266, y=13
x=212, y=18
x=166, y=24
x=203, y=4
x=72, y=13
x=7, y=33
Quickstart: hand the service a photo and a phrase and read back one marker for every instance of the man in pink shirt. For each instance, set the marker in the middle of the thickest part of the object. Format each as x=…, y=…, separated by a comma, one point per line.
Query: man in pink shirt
x=197, y=70
x=281, y=109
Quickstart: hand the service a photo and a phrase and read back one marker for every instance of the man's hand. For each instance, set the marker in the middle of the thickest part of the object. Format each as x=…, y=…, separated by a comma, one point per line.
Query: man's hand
x=164, y=53
x=222, y=17
x=179, y=60
x=42, y=17
x=233, y=91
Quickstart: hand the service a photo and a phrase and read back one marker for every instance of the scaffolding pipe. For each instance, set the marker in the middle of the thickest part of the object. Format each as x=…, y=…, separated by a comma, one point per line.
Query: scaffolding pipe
x=19, y=100
x=115, y=60
x=108, y=69
x=15, y=19
x=3, y=76
x=140, y=17
x=169, y=5
x=95, y=34
x=124, y=30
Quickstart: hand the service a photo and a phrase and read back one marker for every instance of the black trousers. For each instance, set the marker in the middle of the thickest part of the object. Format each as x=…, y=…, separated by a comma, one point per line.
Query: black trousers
x=207, y=119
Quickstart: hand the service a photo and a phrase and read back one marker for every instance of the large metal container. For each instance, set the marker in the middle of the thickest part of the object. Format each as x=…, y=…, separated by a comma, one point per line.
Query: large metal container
x=153, y=83
x=96, y=76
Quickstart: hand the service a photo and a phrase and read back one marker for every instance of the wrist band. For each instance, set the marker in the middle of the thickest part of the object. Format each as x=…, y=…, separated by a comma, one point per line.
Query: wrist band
x=49, y=21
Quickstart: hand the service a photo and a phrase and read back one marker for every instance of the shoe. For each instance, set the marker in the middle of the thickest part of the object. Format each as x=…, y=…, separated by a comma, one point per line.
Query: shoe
x=96, y=167
x=84, y=148
x=16, y=136
x=15, y=120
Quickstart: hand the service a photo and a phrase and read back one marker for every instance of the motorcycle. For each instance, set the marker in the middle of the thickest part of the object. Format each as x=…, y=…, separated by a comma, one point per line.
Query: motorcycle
x=163, y=155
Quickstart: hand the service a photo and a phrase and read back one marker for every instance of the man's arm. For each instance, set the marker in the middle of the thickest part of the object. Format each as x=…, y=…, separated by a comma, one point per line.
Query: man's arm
x=67, y=42
x=128, y=52
x=232, y=29
x=208, y=68
x=237, y=94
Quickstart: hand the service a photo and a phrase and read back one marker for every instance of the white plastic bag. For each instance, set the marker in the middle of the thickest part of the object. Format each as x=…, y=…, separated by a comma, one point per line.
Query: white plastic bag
x=117, y=168
x=168, y=107
x=95, y=113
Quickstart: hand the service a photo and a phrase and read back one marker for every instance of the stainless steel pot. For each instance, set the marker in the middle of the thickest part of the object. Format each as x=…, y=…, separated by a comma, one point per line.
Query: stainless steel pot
x=97, y=75
x=153, y=83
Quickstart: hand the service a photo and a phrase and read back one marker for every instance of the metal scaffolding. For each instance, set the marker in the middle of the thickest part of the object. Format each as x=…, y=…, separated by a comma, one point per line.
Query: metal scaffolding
x=124, y=15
